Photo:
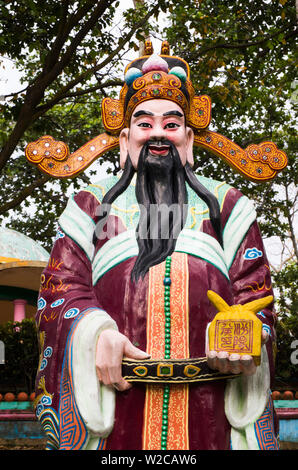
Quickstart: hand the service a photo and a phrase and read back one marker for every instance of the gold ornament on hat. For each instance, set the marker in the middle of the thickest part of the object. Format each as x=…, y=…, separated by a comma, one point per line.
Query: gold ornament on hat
x=155, y=79
x=150, y=77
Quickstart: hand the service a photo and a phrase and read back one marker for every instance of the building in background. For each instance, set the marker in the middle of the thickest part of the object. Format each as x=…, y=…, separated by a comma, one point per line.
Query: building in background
x=22, y=261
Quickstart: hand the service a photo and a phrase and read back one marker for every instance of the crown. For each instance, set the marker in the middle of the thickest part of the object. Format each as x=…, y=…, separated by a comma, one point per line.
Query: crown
x=154, y=76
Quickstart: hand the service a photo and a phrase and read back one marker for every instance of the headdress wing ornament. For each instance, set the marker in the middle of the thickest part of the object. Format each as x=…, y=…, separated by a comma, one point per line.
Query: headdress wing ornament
x=164, y=77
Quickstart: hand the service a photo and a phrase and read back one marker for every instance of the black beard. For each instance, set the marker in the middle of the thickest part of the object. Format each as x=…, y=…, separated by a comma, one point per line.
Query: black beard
x=160, y=183
x=162, y=197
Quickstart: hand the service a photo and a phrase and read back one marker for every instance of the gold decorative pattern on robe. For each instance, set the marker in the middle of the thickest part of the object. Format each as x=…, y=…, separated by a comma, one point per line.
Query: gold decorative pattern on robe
x=178, y=403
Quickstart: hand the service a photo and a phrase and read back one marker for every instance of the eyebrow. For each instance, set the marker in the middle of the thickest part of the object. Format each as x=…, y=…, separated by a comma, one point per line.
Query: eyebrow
x=173, y=113
x=143, y=112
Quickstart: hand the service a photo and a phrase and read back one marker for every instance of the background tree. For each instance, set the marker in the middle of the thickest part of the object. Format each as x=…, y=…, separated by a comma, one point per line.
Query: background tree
x=18, y=372
x=71, y=55
x=242, y=55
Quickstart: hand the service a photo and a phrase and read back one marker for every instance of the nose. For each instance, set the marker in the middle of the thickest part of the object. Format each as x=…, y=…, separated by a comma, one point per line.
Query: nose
x=158, y=132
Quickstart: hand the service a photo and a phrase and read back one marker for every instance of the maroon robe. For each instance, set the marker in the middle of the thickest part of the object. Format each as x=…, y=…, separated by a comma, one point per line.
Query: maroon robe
x=68, y=280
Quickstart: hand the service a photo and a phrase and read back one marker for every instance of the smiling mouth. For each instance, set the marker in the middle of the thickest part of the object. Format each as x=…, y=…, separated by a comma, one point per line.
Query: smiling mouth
x=160, y=150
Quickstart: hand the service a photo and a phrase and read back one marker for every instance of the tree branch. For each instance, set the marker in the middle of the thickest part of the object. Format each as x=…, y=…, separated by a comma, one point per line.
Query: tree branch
x=23, y=194
x=108, y=59
x=40, y=110
x=64, y=29
x=35, y=93
x=15, y=93
x=60, y=38
x=245, y=45
x=97, y=11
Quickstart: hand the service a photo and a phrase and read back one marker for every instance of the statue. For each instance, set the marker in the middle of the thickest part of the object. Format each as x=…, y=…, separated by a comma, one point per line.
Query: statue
x=140, y=266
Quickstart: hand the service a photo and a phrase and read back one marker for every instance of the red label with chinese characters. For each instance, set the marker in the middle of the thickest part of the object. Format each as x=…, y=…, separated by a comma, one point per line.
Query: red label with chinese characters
x=234, y=336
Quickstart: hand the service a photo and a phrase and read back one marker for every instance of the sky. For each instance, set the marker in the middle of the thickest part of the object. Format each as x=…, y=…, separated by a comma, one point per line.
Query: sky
x=9, y=77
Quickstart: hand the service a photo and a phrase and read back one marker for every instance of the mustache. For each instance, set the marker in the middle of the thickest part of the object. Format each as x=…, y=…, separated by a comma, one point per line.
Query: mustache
x=161, y=163
x=158, y=142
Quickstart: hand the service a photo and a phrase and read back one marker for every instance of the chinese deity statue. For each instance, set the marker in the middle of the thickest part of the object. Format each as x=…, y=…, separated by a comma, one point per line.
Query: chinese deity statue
x=125, y=310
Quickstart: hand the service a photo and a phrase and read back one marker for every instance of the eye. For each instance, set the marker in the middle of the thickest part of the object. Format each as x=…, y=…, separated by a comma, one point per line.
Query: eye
x=172, y=125
x=144, y=124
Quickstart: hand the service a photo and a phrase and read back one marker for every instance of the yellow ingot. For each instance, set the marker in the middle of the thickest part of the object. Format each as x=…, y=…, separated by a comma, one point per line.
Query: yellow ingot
x=236, y=329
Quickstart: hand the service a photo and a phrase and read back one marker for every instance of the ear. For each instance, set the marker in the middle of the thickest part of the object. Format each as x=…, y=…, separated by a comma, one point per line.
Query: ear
x=189, y=145
x=123, y=144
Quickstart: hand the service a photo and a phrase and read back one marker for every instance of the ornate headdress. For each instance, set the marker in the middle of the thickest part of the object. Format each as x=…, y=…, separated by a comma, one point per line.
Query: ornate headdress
x=156, y=76
x=149, y=77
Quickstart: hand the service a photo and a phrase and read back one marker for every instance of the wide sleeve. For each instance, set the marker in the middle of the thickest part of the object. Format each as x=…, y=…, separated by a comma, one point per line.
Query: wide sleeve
x=251, y=280
x=69, y=321
x=246, y=398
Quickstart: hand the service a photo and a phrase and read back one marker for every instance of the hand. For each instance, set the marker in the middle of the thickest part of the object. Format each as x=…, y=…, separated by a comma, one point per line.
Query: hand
x=112, y=346
x=227, y=363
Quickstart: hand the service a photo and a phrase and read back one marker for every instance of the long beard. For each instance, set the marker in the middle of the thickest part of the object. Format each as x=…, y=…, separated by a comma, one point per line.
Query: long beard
x=162, y=198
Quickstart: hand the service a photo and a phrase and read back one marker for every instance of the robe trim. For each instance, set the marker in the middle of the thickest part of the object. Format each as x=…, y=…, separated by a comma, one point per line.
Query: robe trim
x=124, y=246
x=126, y=208
x=178, y=438
x=114, y=251
x=78, y=226
x=75, y=425
x=73, y=433
x=203, y=246
x=240, y=219
x=95, y=401
x=192, y=242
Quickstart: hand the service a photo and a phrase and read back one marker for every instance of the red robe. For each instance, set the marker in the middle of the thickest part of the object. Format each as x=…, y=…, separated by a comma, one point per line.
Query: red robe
x=69, y=292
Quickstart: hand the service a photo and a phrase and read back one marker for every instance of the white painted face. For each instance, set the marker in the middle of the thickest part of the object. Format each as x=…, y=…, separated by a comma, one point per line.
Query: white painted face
x=156, y=119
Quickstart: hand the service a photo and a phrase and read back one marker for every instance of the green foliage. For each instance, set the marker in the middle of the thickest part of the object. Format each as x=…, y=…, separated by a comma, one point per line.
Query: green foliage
x=21, y=356
x=242, y=55
x=287, y=325
x=69, y=55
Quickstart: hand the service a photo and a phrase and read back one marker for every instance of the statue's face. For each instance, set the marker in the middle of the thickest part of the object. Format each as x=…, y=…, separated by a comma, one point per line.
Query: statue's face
x=156, y=119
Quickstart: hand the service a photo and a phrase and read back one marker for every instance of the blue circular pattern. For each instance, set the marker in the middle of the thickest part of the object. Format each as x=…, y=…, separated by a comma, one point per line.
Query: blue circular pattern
x=48, y=351
x=46, y=400
x=39, y=409
x=252, y=253
x=43, y=364
x=73, y=312
x=57, y=303
x=41, y=303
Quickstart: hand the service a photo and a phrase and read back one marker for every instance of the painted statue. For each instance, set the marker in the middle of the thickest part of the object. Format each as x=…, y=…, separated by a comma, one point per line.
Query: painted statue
x=142, y=263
